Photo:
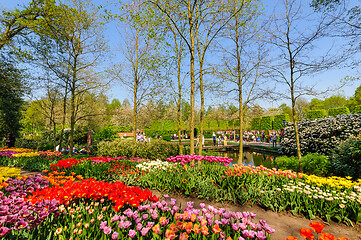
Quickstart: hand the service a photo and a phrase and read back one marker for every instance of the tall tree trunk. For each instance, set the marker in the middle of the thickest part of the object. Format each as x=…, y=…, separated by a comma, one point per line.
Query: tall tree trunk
x=135, y=110
x=72, y=121
x=179, y=94
x=64, y=115
x=191, y=32
x=294, y=119
x=201, y=117
x=240, y=96
x=135, y=72
x=293, y=100
x=201, y=130
x=72, y=108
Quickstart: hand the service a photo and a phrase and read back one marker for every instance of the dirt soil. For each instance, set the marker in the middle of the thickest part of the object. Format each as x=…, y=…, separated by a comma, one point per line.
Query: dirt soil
x=284, y=223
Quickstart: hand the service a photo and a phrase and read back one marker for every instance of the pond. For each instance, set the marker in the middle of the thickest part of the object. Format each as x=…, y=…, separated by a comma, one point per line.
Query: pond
x=250, y=158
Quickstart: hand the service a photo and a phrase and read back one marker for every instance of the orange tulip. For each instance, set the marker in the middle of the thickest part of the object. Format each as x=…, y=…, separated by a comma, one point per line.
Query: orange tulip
x=204, y=230
x=196, y=228
x=216, y=229
x=307, y=233
x=316, y=226
x=183, y=236
x=169, y=234
x=342, y=238
x=189, y=227
x=327, y=236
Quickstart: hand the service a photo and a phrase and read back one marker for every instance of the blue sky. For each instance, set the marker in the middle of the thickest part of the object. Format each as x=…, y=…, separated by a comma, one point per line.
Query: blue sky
x=323, y=79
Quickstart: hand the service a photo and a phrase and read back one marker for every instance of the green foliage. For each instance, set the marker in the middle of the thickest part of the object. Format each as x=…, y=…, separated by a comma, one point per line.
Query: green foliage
x=357, y=109
x=11, y=91
x=287, y=163
x=142, y=150
x=106, y=134
x=256, y=123
x=338, y=111
x=29, y=163
x=213, y=125
x=236, y=123
x=266, y=123
x=315, y=114
x=167, y=125
x=223, y=125
x=346, y=158
x=40, y=145
x=278, y=119
x=312, y=163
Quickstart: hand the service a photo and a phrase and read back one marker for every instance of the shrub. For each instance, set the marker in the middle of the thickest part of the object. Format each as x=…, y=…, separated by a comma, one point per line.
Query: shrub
x=106, y=134
x=142, y=150
x=320, y=135
x=338, y=111
x=346, y=158
x=266, y=123
x=256, y=123
x=287, y=163
x=312, y=163
x=315, y=114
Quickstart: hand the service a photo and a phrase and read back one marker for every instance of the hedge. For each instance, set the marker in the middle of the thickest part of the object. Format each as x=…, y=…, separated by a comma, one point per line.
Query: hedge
x=266, y=122
x=315, y=114
x=338, y=111
x=256, y=123
x=321, y=135
x=278, y=119
x=222, y=125
x=143, y=150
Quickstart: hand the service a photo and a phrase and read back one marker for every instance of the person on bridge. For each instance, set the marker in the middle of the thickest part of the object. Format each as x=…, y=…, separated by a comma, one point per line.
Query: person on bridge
x=274, y=140
x=225, y=140
x=214, y=139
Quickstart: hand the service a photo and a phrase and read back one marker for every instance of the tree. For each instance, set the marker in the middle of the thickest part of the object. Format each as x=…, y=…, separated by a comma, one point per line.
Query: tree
x=141, y=74
x=12, y=89
x=244, y=59
x=355, y=100
x=197, y=17
x=72, y=46
x=295, y=44
x=22, y=22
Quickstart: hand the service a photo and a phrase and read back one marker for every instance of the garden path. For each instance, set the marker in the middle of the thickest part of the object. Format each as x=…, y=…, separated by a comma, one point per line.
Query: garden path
x=284, y=223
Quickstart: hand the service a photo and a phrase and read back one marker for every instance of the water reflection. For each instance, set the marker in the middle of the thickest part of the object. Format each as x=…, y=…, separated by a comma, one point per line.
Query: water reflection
x=250, y=158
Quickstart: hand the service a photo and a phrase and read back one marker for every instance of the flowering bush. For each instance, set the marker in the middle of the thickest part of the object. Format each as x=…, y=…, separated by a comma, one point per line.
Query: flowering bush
x=185, y=159
x=317, y=227
x=321, y=135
